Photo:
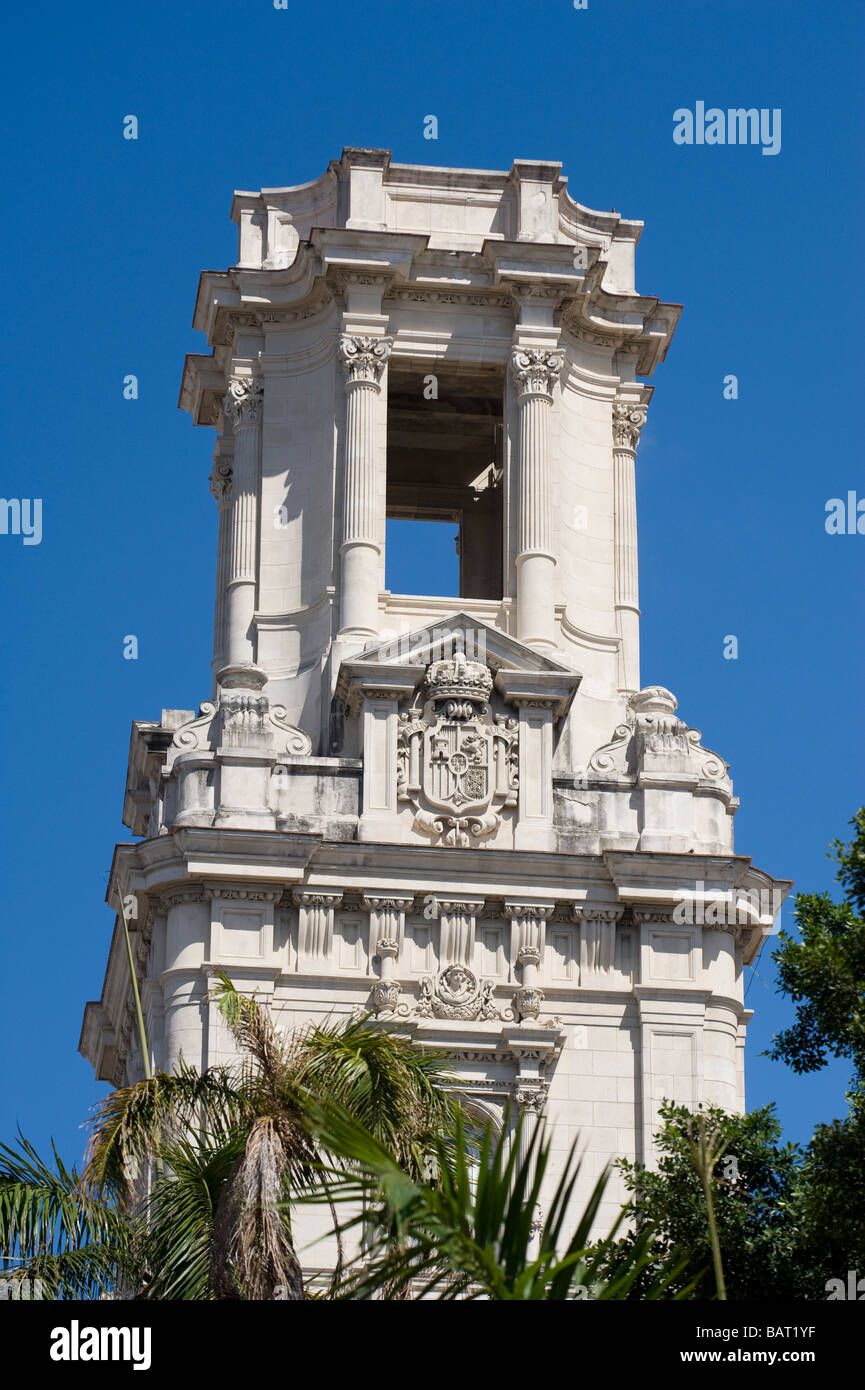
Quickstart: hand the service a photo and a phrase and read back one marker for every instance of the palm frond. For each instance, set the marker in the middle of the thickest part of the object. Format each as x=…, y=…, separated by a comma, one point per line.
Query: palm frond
x=52, y=1228
x=180, y=1215
x=132, y=1122
x=472, y=1234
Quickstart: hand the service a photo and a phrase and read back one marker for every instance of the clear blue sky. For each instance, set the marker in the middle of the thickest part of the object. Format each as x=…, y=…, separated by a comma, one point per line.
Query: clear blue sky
x=104, y=242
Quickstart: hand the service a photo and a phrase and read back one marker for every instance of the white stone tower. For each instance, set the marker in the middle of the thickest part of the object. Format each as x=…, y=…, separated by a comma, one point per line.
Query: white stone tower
x=465, y=816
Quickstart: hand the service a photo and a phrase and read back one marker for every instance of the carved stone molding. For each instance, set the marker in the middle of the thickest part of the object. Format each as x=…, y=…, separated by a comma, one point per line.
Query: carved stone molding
x=240, y=720
x=364, y=358
x=481, y=301
x=629, y=417
x=175, y=897
x=536, y=370
x=214, y=891
x=243, y=400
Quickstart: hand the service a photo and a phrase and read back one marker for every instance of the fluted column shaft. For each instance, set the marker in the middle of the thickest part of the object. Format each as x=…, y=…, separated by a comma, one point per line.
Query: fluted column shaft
x=364, y=359
x=535, y=371
x=220, y=486
x=628, y=419
x=243, y=404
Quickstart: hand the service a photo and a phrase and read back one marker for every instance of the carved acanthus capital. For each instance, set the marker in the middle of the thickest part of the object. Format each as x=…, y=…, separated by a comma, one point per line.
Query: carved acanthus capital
x=530, y=1096
x=364, y=358
x=385, y=996
x=243, y=400
x=629, y=418
x=528, y=1001
x=536, y=370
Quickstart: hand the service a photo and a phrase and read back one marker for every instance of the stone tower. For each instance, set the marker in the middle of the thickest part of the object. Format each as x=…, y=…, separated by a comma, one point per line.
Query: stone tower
x=464, y=816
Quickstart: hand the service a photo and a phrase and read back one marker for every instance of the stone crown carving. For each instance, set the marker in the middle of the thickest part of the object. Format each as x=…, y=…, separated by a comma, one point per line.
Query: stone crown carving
x=458, y=679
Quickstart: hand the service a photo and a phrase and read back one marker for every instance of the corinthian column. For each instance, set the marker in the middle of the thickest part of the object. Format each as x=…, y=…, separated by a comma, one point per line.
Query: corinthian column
x=535, y=371
x=243, y=401
x=628, y=419
x=364, y=359
x=220, y=486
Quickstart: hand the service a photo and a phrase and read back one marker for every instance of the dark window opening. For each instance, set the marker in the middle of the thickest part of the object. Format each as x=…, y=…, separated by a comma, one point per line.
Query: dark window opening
x=444, y=465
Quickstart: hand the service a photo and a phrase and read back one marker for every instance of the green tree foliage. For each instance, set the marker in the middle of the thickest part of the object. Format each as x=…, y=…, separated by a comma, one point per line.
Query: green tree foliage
x=822, y=970
x=758, y=1202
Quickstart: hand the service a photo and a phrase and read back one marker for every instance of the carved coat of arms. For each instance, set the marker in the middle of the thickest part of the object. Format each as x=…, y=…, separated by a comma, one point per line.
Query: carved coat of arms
x=457, y=762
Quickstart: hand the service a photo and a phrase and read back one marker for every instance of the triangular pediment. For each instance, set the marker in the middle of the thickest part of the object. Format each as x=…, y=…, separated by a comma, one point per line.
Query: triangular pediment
x=460, y=631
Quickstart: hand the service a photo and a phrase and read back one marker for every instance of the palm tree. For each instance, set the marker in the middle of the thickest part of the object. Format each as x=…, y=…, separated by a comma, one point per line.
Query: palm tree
x=191, y=1179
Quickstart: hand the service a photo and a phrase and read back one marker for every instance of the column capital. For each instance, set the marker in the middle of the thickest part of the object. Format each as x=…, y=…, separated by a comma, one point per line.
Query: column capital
x=387, y=947
x=587, y=912
x=304, y=897
x=364, y=358
x=529, y=911
x=387, y=902
x=536, y=370
x=629, y=417
x=243, y=401
x=530, y=1096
